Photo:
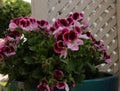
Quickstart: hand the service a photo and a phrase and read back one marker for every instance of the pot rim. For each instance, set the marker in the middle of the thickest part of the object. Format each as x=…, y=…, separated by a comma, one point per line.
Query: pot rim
x=111, y=76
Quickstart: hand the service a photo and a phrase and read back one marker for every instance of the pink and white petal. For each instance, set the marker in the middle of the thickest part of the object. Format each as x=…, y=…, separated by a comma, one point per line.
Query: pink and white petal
x=73, y=47
x=9, y=54
x=76, y=23
x=108, y=61
x=2, y=42
x=12, y=26
x=78, y=42
x=66, y=87
x=84, y=36
x=48, y=88
x=58, y=30
x=63, y=54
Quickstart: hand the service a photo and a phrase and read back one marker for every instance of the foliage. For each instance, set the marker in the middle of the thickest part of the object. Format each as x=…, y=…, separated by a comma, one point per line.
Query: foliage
x=11, y=9
x=58, y=55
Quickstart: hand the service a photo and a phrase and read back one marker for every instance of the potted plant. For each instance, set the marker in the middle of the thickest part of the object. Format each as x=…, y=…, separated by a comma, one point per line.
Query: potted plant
x=52, y=57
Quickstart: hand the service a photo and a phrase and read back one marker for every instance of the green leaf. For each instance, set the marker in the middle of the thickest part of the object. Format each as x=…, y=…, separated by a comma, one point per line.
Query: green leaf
x=28, y=60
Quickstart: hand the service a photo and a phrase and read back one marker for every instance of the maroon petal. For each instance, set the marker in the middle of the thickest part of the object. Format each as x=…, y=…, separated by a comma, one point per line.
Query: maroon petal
x=70, y=21
x=76, y=15
x=58, y=75
x=72, y=35
x=16, y=20
x=58, y=37
x=42, y=23
x=8, y=51
x=60, y=44
x=22, y=22
x=56, y=25
x=66, y=36
x=57, y=49
x=64, y=30
x=63, y=22
x=78, y=29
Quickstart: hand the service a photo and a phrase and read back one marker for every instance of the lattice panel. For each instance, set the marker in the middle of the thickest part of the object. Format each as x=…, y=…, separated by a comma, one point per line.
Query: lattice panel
x=101, y=15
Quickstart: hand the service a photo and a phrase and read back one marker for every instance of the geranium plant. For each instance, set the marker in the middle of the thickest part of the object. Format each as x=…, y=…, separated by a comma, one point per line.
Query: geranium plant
x=58, y=55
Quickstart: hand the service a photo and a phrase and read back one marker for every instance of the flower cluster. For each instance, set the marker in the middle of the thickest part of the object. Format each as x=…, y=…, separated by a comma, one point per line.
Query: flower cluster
x=58, y=56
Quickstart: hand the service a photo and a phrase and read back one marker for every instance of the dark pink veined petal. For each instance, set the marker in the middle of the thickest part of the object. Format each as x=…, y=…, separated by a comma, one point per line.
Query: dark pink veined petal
x=13, y=36
x=78, y=29
x=60, y=44
x=56, y=24
x=57, y=49
x=52, y=29
x=60, y=34
x=63, y=22
x=64, y=30
x=16, y=20
x=81, y=15
x=58, y=37
x=72, y=35
x=66, y=37
x=43, y=24
x=24, y=23
x=76, y=15
x=70, y=21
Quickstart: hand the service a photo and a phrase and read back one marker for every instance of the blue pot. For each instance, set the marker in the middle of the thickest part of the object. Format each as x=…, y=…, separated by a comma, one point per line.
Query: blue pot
x=109, y=83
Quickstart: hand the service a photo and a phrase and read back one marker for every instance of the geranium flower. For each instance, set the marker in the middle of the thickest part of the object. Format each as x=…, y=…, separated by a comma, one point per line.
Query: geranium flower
x=61, y=23
x=62, y=85
x=42, y=24
x=24, y=24
x=14, y=23
x=74, y=46
x=13, y=36
x=33, y=24
x=8, y=51
x=43, y=86
x=72, y=41
x=100, y=45
x=77, y=16
x=53, y=52
x=59, y=47
x=59, y=34
x=58, y=74
x=70, y=21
